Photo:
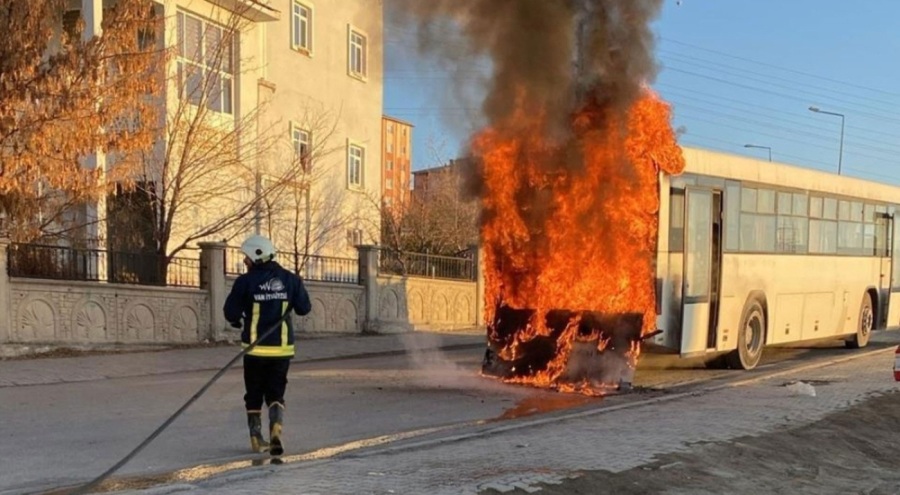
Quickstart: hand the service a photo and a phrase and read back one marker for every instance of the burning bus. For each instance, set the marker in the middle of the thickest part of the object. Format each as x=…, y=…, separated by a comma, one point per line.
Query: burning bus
x=747, y=253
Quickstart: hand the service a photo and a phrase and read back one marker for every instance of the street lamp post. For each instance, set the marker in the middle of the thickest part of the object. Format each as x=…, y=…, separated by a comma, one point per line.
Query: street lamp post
x=762, y=148
x=841, y=152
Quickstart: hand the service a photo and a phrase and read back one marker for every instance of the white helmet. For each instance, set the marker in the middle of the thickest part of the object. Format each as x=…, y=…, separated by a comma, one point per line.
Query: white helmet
x=259, y=249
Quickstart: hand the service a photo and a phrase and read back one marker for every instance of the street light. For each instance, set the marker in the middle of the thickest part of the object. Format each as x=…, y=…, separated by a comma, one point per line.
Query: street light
x=760, y=147
x=841, y=152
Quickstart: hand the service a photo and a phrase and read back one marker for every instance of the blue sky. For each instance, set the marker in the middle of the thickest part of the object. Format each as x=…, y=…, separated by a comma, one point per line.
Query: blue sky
x=735, y=71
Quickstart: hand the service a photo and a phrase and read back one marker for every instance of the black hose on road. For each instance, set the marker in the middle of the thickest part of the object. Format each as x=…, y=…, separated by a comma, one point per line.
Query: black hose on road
x=99, y=479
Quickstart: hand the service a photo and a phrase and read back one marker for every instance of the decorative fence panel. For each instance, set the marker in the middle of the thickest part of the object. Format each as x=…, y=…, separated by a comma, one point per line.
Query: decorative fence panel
x=53, y=311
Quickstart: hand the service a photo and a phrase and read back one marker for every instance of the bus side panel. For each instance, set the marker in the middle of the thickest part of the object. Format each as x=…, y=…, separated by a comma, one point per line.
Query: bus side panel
x=806, y=297
x=817, y=309
x=787, y=321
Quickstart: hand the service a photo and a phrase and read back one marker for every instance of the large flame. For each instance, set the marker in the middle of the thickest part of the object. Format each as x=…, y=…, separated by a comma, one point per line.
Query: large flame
x=573, y=225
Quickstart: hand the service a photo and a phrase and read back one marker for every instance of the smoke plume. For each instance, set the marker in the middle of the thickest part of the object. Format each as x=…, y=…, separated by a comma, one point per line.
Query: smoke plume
x=548, y=57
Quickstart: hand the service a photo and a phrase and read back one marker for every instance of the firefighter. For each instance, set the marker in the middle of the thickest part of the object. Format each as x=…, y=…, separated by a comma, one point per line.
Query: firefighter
x=258, y=300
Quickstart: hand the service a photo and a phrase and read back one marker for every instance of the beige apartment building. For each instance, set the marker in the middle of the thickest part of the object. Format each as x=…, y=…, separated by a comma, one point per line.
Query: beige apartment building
x=292, y=110
x=396, y=138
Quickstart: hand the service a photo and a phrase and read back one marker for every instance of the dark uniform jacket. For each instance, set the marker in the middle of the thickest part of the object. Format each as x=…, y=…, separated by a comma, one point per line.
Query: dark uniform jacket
x=261, y=297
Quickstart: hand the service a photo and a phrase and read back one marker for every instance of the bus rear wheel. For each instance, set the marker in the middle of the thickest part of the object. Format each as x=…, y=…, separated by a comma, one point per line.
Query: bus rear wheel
x=751, y=337
x=864, y=325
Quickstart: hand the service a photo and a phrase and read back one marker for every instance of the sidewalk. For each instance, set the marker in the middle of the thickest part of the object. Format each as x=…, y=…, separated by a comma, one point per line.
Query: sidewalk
x=43, y=371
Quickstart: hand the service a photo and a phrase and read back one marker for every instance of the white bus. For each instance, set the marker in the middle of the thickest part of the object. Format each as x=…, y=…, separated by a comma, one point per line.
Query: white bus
x=753, y=253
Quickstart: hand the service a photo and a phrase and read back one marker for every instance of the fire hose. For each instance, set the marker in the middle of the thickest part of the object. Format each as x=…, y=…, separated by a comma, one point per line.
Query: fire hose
x=99, y=479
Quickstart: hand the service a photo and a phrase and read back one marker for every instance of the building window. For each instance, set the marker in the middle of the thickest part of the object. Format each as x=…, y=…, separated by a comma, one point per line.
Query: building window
x=206, y=63
x=301, y=27
x=390, y=147
x=389, y=183
x=356, y=158
x=390, y=128
x=355, y=237
x=390, y=165
x=301, y=142
x=358, y=54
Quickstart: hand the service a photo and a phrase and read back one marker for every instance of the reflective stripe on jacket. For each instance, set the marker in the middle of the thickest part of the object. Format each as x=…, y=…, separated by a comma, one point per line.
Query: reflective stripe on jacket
x=260, y=298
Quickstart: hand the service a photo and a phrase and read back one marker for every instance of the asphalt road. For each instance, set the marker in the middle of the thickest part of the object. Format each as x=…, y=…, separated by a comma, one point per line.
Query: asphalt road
x=64, y=434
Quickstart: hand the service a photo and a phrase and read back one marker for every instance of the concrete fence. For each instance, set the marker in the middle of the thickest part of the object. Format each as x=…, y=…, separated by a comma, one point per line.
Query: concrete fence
x=34, y=311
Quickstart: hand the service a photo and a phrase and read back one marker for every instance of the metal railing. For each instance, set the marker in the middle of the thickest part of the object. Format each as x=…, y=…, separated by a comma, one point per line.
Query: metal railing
x=425, y=265
x=234, y=261
x=310, y=267
x=98, y=265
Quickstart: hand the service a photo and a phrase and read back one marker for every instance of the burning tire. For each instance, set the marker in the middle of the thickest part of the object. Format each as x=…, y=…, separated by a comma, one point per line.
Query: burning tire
x=865, y=324
x=751, y=337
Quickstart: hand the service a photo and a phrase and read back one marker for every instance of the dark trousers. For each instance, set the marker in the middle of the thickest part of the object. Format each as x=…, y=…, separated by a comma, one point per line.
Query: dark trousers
x=264, y=380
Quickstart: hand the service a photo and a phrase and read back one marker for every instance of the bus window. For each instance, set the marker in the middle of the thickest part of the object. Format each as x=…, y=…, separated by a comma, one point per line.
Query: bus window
x=791, y=234
x=784, y=203
x=800, y=202
x=829, y=209
x=850, y=238
x=815, y=207
x=765, y=201
x=869, y=239
x=732, y=215
x=882, y=234
x=699, y=253
x=844, y=210
x=856, y=211
x=822, y=236
x=757, y=233
x=676, y=221
x=748, y=200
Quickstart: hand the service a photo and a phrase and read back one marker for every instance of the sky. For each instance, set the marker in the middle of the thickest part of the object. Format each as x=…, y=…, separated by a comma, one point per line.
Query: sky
x=736, y=72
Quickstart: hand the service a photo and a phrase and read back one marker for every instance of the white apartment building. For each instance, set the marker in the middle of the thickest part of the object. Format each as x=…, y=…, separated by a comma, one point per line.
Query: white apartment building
x=309, y=72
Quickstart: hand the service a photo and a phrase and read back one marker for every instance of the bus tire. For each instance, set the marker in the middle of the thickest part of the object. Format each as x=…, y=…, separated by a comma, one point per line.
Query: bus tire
x=751, y=337
x=864, y=324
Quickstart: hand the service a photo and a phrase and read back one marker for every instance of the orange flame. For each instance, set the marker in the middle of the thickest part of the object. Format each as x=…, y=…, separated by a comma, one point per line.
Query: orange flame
x=585, y=237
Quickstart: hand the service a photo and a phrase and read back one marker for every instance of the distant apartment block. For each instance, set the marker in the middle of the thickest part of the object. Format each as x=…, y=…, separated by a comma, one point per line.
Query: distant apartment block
x=440, y=180
x=396, y=138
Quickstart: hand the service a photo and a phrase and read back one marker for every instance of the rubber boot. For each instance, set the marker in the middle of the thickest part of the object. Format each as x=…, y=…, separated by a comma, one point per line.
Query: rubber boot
x=276, y=419
x=257, y=442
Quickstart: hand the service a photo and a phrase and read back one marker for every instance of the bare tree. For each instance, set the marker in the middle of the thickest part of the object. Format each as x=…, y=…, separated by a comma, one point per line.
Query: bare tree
x=439, y=217
x=311, y=209
x=204, y=176
x=63, y=98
